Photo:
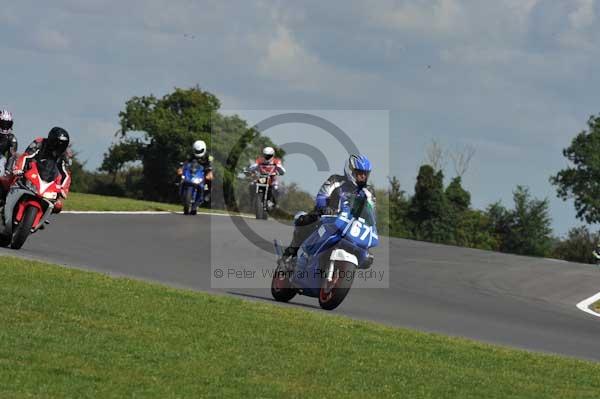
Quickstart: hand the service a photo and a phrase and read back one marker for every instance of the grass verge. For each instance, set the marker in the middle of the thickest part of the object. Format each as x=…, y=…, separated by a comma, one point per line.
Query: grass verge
x=92, y=202
x=70, y=333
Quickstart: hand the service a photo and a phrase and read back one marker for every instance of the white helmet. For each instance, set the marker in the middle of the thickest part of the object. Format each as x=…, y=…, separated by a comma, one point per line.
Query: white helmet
x=199, y=148
x=268, y=153
x=6, y=122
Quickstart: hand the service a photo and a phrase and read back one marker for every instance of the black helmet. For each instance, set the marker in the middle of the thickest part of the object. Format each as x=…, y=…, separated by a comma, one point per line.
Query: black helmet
x=57, y=141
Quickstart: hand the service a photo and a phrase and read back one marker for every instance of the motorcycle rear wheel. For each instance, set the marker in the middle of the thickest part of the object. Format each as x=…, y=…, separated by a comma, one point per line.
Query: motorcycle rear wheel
x=280, y=286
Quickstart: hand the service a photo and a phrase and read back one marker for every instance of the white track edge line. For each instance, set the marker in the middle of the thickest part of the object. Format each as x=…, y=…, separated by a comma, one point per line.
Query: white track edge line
x=585, y=304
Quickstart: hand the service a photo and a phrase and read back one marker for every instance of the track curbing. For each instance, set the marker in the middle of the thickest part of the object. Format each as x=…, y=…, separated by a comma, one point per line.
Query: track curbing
x=586, y=303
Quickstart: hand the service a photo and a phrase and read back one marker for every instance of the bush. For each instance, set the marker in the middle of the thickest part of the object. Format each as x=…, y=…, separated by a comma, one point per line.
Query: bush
x=578, y=246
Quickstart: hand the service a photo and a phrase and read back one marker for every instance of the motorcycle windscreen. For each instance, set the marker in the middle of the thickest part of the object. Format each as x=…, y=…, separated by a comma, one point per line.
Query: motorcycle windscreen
x=193, y=170
x=363, y=230
x=47, y=169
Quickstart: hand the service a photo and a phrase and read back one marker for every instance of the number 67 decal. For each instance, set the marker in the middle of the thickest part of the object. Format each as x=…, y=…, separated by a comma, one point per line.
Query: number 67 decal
x=357, y=228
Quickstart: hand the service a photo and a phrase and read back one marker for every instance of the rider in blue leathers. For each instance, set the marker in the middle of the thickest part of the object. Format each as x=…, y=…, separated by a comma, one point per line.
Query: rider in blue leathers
x=355, y=178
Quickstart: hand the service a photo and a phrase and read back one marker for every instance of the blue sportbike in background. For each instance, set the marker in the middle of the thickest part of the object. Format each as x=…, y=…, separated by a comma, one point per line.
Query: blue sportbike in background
x=192, y=187
x=329, y=257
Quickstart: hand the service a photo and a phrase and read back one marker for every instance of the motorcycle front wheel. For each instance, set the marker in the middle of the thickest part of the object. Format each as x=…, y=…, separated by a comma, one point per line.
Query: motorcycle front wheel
x=260, y=207
x=332, y=294
x=23, y=228
x=187, y=200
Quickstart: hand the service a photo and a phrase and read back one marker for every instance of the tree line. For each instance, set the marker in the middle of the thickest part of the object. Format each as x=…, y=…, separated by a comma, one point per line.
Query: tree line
x=156, y=134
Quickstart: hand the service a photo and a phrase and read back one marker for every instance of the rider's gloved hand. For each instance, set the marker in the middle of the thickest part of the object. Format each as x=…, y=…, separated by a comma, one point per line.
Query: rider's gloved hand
x=328, y=211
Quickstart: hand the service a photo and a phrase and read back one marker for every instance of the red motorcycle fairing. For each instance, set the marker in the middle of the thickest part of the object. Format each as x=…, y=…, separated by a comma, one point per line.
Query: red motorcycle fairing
x=40, y=195
x=23, y=205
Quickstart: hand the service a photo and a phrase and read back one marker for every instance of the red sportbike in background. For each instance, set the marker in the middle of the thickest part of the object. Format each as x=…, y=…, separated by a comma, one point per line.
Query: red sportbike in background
x=30, y=200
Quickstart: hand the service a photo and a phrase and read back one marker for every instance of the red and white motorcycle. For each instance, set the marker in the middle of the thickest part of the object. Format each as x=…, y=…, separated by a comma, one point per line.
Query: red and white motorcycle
x=263, y=200
x=30, y=200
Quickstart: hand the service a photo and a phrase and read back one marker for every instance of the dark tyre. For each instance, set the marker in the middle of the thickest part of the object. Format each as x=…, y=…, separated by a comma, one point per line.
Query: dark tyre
x=4, y=241
x=24, y=228
x=280, y=286
x=187, y=200
x=260, y=208
x=333, y=293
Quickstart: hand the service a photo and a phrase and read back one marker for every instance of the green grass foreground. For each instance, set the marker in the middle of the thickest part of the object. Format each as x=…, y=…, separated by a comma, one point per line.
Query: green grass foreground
x=71, y=333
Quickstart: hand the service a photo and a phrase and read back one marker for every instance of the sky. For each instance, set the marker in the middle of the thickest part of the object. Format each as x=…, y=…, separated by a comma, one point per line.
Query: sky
x=514, y=79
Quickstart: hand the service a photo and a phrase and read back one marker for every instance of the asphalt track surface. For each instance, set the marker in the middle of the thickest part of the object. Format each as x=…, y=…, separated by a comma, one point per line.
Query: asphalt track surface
x=516, y=301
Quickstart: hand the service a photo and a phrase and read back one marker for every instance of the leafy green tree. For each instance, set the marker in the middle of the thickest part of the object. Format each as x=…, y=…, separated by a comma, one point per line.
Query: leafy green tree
x=531, y=231
x=428, y=207
x=472, y=229
x=458, y=198
x=500, y=222
x=292, y=199
x=170, y=125
x=399, y=224
x=581, y=181
x=383, y=211
x=80, y=178
x=524, y=230
x=119, y=155
x=578, y=246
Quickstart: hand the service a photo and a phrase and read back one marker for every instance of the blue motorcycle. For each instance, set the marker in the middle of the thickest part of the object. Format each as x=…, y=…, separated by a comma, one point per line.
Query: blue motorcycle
x=192, y=186
x=329, y=258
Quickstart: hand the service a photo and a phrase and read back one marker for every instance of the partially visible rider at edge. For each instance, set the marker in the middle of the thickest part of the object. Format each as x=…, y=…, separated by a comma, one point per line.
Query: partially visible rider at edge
x=51, y=156
x=354, y=181
x=8, y=143
x=268, y=158
x=596, y=253
x=200, y=155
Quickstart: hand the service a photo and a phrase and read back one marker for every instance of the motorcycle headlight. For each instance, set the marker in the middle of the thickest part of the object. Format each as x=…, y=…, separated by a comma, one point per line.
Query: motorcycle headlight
x=196, y=180
x=262, y=180
x=50, y=196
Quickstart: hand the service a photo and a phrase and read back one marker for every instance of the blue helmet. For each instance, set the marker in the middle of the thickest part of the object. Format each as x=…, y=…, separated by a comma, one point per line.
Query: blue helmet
x=357, y=163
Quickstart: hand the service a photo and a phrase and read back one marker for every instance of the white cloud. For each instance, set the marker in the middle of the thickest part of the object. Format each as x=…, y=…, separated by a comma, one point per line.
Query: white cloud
x=584, y=15
x=50, y=40
x=520, y=8
x=581, y=33
x=437, y=17
x=478, y=55
x=287, y=60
